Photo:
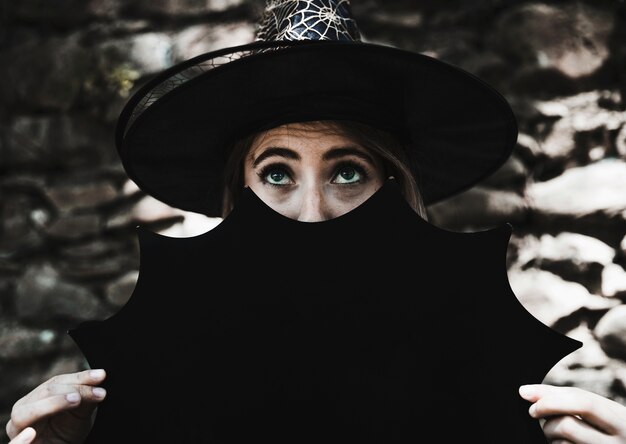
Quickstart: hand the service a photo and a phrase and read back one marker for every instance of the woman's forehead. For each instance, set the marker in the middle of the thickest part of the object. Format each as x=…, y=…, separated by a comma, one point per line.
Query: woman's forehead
x=307, y=127
x=297, y=133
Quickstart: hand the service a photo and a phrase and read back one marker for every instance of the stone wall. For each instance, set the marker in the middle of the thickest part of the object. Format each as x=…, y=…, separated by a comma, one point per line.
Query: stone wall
x=68, y=213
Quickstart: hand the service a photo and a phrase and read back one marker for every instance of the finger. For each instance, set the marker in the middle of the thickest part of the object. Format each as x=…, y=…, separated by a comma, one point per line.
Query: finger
x=597, y=410
x=572, y=429
x=26, y=436
x=86, y=392
x=26, y=415
x=86, y=377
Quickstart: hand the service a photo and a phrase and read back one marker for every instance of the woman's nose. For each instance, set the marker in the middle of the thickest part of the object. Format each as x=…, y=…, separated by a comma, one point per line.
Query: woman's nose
x=314, y=206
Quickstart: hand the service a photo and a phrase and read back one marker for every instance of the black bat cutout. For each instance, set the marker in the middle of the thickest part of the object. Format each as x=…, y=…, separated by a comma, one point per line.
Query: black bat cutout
x=372, y=327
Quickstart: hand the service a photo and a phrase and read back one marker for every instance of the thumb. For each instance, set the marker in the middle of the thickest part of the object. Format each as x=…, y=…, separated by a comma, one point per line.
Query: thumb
x=26, y=436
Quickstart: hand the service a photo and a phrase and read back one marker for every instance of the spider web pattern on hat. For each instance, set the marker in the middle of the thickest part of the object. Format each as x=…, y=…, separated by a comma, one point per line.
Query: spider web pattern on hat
x=308, y=20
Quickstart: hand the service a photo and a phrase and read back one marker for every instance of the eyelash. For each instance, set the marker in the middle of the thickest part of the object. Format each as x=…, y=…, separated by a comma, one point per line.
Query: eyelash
x=267, y=169
x=358, y=168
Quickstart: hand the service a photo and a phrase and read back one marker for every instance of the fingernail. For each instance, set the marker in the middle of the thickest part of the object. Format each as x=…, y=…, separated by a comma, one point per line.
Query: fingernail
x=96, y=374
x=525, y=391
x=99, y=392
x=532, y=410
x=72, y=397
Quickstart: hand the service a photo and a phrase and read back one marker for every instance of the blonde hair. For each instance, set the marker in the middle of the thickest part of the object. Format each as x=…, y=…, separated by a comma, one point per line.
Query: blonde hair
x=379, y=142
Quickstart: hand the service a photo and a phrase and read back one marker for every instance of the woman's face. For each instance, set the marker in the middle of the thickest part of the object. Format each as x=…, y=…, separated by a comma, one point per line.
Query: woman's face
x=310, y=173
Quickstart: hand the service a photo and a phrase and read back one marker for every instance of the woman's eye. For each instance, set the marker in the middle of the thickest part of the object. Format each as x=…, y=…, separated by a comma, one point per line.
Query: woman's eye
x=348, y=174
x=276, y=176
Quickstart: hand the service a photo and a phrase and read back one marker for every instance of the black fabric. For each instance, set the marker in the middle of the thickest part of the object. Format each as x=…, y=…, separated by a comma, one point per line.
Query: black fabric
x=373, y=327
x=458, y=129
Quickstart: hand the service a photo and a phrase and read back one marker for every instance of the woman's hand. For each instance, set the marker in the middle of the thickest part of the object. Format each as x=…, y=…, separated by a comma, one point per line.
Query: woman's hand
x=60, y=410
x=575, y=416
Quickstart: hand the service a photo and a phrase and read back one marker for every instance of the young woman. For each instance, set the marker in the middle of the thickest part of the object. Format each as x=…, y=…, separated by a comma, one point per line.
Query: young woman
x=325, y=124
x=310, y=172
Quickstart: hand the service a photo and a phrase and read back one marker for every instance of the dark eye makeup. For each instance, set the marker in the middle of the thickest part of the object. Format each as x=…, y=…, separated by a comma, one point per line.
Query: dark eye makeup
x=273, y=173
x=350, y=173
x=279, y=174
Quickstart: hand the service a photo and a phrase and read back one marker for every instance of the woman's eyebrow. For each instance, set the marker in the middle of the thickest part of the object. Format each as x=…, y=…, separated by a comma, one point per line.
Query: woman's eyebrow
x=338, y=152
x=275, y=151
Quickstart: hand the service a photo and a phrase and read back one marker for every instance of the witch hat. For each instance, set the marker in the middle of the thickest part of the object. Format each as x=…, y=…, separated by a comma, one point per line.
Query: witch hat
x=308, y=62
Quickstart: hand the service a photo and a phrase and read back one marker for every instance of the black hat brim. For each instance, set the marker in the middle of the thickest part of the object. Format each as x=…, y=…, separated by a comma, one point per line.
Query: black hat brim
x=458, y=129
